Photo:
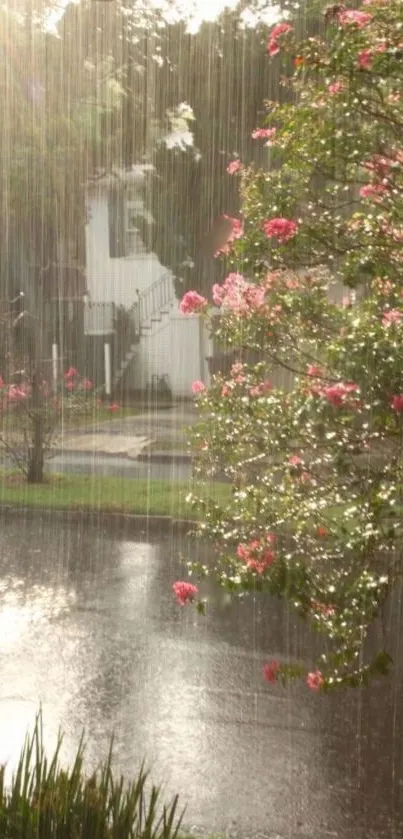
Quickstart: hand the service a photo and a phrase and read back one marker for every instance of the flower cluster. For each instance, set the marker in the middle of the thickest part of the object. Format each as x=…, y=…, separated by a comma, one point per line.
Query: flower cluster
x=238, y=296
x=282, y=229
x=258, y=554
x=276, y=34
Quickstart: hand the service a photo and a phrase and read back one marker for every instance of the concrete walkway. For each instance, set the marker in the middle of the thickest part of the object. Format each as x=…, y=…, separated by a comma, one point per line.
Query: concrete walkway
x=131, y=437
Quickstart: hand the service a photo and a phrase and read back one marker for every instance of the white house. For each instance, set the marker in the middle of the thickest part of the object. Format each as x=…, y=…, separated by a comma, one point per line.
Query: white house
x=161, y=344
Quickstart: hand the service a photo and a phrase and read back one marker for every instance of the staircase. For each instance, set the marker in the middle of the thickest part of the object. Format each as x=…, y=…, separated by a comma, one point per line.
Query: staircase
x=149, y=308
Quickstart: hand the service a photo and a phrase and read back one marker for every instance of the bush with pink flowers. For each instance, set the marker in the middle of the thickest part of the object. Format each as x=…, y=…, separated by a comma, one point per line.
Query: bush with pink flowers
x=33, y=411
x=308, y=425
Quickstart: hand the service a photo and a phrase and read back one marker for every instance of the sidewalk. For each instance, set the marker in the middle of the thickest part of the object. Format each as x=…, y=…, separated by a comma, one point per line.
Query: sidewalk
x=132, y=437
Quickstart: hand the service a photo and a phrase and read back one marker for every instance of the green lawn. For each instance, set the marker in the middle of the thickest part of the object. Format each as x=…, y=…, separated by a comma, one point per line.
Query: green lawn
x=98, y=493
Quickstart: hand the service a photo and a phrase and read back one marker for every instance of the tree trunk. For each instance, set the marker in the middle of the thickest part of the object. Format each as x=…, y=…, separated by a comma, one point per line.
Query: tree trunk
x=36, y=452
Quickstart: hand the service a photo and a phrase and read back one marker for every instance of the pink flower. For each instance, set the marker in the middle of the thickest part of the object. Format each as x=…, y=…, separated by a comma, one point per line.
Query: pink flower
x=273, y=46
x=271, y=670
x=86, y=384
x=294, y=460
x=218, y=294
x=192, y=302
x=397, y=403
x=315, y=680
x=373, y=191
x=184, y=592
x=71, y=373
x=314, y=370
x=379, y=164
x=234, y=166
x=239, y=296
x=113, y=407
x=335, y=87
x=226, y=390
x=322, y=608
x=321, y=532
x=281, y=229
x=264, y=133
x=236, y=233
x=17, y=393
x=354, y=17
x=198, y=387
x=257, y=554
x=70, y=385
x=391, y=317
x=364, y=59
x=261, y=389
x=237, y=373
x=338, y=394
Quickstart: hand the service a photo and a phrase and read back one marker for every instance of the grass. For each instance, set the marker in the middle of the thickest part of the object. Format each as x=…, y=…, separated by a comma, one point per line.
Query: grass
x=98, y=493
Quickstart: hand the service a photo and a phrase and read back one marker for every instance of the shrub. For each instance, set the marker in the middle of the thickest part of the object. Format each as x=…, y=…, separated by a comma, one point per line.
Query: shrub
x=47, y=802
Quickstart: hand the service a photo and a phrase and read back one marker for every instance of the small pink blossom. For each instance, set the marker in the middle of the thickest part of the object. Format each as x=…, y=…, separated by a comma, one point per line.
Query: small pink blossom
x=87, y=385
x=17, y=393
x=397, y=403
x=113, y=407
x=273, y=46
x=264, y=133
x=184, y=592
x=70, y=385
x=282, y=229
x=335, y=87
x=314, y=370
x=391, y=317
x=237, y=373
x=339, y=393
x=258, y=554
x=234, y=166
x=261, y=389
x=192, y=302
x=71, y=373
x=315, y=680
x=226, y=390
x=321, y=532
x=271, y=670
x=322, y=608
x=355, y=18
x=294, y=460
x=236, y=233
x=198, y=387
x=365, y=59
x=374, y=191
x=239, y=296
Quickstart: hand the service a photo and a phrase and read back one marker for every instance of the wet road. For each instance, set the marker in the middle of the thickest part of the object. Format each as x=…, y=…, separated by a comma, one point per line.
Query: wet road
x=88, y=627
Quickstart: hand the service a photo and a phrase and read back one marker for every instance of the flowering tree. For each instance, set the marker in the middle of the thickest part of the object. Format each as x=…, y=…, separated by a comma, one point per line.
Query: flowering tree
x=316, y=468
x=32, y=412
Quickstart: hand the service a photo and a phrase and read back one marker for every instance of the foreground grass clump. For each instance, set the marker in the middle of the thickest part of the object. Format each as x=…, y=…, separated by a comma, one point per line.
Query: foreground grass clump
x=45, y=801
x=105, y=494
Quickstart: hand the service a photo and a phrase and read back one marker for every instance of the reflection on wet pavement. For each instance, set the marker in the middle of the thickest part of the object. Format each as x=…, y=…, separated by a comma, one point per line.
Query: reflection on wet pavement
x=89, y=628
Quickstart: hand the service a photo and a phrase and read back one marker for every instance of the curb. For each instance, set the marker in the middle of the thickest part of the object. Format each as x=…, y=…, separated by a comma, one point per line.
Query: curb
x=164, y=457
x=126, y=522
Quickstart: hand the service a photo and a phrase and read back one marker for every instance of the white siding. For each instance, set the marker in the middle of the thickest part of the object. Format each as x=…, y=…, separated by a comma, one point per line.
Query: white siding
x=114, y=280
x=176, y=347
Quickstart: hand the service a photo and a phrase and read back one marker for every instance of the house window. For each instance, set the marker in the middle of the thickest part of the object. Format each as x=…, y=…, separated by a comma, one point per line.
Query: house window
x=126, y=215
